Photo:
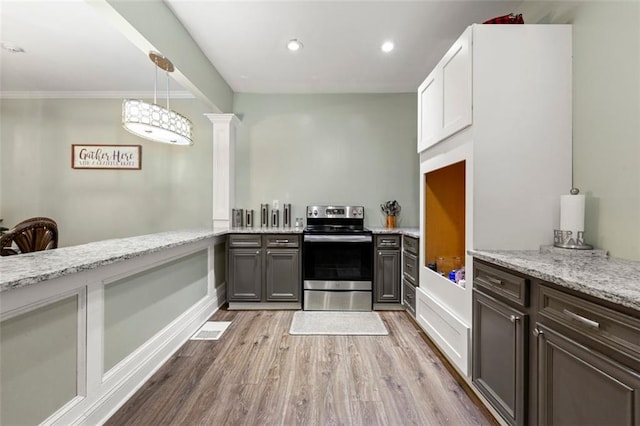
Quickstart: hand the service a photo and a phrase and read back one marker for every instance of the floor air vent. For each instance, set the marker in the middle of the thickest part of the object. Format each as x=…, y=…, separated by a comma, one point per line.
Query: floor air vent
x=211, y=330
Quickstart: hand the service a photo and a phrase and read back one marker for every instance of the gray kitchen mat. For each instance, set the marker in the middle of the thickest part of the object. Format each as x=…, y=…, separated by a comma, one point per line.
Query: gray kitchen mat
x=337, y=323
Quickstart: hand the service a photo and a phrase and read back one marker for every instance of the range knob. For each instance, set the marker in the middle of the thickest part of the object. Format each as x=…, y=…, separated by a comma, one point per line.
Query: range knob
x=315, y=212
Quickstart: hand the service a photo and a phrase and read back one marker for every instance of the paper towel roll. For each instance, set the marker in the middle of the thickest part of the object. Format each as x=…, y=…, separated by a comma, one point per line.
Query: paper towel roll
x=572, y=213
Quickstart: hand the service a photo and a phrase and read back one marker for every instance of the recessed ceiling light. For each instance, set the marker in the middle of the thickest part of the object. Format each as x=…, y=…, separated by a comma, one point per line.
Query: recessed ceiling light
x=294, y=45
x=387, y=46
x=12, y=48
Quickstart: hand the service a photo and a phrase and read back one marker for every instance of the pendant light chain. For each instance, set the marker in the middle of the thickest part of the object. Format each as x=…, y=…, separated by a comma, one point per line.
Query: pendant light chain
x=167, y=73
x=155, y=83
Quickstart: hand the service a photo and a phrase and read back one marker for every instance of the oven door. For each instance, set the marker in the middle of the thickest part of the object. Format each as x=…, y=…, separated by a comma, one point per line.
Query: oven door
x=338, y=262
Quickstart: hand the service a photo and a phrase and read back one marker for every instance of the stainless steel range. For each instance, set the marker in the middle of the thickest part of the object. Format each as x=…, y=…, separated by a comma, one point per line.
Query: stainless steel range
x=337, y=260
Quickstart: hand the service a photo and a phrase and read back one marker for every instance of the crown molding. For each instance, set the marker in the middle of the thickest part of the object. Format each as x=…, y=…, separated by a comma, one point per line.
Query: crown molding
x=93, y=95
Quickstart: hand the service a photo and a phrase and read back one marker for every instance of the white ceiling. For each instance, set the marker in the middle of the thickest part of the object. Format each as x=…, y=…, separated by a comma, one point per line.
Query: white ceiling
x=71, y=50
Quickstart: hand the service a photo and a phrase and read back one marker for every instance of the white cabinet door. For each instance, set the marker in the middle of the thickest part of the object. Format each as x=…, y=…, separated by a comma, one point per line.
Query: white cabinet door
x=444, y=98
x=456, y=86
x=429, y=110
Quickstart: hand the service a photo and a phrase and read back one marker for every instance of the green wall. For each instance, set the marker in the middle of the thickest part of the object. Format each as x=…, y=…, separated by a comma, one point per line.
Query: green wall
x=171, y=191
x=38, y=362
x=606, y=115
x=328, y=149
x=139, y=306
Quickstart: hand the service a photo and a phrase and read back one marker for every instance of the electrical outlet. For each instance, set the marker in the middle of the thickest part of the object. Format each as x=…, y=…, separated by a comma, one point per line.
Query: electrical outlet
x=276, y=204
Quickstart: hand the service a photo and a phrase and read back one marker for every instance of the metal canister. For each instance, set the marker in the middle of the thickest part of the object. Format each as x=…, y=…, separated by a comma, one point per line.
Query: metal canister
x=264, y=215
x=249, y=221
x=237, y=218
x=275, y=218
x=286, y=216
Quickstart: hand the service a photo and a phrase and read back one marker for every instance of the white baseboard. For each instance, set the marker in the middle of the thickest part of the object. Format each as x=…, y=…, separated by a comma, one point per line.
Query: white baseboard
x=445, y=329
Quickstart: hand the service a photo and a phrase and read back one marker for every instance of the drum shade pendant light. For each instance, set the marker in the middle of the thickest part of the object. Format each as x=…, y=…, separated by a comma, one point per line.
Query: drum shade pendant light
x=152, y=121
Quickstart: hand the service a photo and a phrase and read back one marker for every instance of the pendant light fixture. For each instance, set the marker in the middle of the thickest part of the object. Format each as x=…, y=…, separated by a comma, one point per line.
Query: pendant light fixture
x=152, y=121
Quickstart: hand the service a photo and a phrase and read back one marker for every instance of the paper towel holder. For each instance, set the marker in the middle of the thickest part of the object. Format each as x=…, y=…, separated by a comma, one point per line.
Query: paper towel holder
x=566, y=239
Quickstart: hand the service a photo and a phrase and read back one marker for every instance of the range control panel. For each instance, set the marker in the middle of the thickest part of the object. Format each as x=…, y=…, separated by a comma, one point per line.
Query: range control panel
x=335, y=212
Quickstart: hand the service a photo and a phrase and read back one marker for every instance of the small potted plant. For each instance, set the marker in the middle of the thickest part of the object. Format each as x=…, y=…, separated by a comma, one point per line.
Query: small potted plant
x=391, y=209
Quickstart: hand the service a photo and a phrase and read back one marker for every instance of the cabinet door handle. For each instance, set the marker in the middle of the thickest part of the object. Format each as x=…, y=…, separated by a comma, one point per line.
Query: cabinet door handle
x=282, y=241
x=581, y=319
x=495, y=281
x=537, y=332
x=514, y=318
x=257, y=251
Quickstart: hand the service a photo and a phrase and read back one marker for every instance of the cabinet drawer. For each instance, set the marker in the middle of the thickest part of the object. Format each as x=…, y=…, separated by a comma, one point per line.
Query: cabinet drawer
x=388, y=241
x=613, y=329
x=410, y=267
x=245, y=240
x=409, y=298
x=502, y=283
x=282, y=240
x=410, y=244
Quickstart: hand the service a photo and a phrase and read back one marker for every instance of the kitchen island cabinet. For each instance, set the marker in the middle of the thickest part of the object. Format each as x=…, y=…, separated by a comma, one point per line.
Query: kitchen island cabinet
x=569, y=336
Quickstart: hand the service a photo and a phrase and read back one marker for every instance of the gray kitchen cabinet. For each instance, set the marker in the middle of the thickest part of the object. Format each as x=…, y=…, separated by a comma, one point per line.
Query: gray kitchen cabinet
x=588, y=362
x=409, y=297
x=500, y=355
x=387, y=269
x=244, y=268
x=410, y=271
x=263, y=268
x=547, y=355
x=500, y=341
x=579, y=386
x=282, y=274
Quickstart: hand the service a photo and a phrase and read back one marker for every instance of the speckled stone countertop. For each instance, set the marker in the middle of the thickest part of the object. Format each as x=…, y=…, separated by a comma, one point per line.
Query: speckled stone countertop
x=411, y=232
x=30, y=268
x=258, y=230
x=590, y=272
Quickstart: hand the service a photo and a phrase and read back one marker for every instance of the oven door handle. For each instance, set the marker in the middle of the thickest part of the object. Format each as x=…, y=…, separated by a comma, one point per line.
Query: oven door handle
x=338, y=238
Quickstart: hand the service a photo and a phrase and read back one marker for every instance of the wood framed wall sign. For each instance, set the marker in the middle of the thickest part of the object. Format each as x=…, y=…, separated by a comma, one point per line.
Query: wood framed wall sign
x=100, y=157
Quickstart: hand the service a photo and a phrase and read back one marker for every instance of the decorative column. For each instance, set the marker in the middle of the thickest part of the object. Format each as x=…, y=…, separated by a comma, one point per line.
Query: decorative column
x=224, y=145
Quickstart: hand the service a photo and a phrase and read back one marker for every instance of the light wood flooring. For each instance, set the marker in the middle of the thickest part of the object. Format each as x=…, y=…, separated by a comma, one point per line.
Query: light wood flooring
x=258, y=374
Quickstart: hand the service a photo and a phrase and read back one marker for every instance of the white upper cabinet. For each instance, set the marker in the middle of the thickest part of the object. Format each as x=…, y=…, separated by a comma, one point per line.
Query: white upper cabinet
x=429, y=110
x=445, y=96
x=456, y=86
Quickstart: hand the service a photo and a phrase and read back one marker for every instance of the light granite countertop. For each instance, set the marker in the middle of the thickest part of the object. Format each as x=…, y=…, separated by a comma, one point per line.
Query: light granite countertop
x=590, y=272
x=411, y=232
x=259, y=230
x=30, y=268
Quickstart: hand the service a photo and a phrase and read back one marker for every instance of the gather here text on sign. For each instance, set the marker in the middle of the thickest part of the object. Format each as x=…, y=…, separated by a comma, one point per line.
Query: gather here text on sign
x=127, y=157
